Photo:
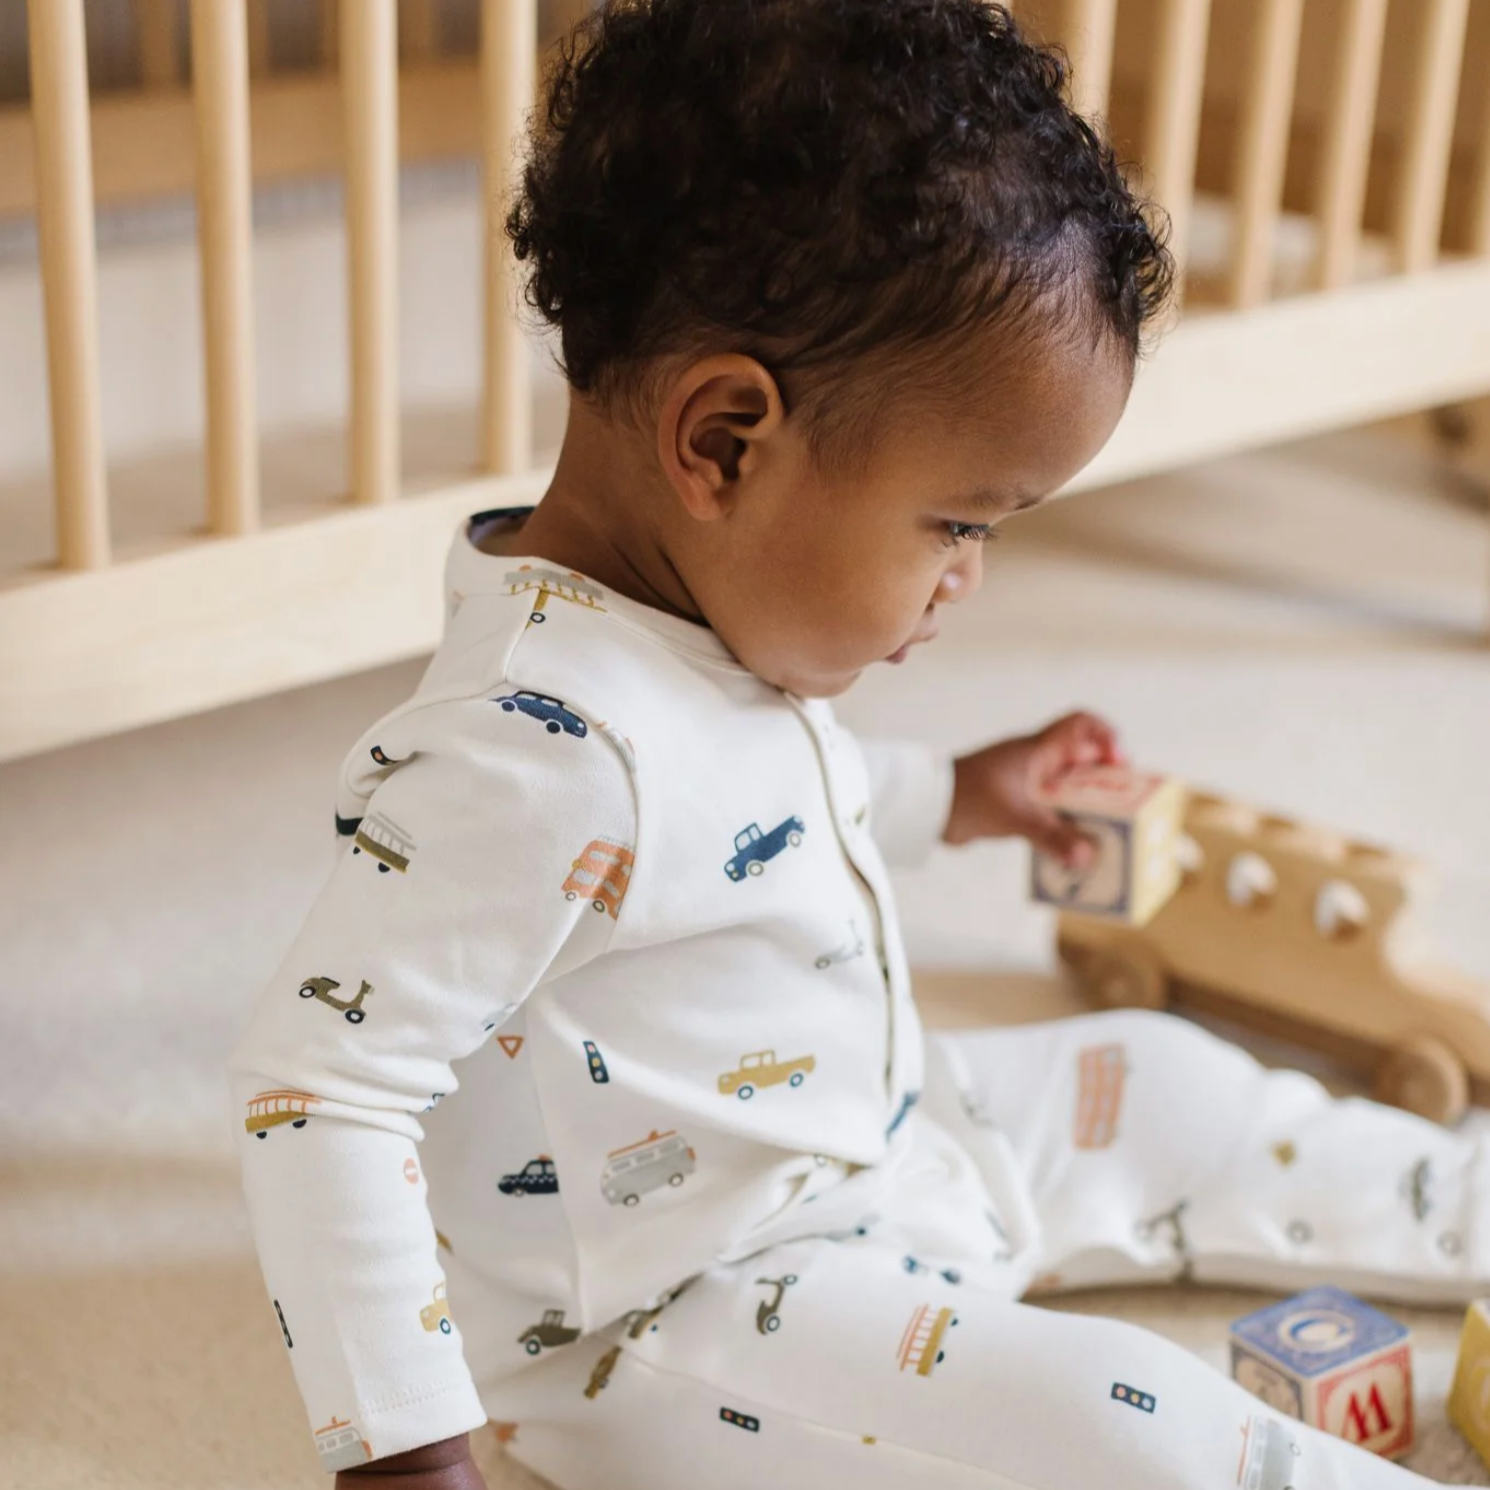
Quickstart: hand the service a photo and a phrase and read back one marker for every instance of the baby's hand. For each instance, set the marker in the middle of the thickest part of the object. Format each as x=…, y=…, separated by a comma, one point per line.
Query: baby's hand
x=995, y=792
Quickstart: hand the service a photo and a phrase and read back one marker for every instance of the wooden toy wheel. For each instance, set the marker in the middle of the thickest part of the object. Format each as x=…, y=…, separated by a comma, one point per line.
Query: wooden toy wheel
x=1129, y=978
x=1424, y=1076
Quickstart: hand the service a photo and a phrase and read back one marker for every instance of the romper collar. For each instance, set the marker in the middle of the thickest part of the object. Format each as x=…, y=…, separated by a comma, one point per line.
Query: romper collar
x=472, y=572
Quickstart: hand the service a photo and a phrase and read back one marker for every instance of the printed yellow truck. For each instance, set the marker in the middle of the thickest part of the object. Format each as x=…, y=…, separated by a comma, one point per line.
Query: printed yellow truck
x=436, y=1316
x=760, y=1069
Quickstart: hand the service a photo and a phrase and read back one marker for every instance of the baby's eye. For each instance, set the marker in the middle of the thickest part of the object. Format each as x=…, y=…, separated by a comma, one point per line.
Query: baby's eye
x=976, y=532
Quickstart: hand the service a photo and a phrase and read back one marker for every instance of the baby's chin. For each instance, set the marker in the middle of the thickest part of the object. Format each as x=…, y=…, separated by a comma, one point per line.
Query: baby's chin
x=804, y=682
x=808, y=677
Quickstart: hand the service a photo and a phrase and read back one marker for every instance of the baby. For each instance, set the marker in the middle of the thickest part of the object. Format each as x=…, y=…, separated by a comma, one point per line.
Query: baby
x=840, y=286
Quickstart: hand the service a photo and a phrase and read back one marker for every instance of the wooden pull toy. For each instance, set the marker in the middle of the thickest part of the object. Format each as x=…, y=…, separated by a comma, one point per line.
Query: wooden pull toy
x=1293, y=930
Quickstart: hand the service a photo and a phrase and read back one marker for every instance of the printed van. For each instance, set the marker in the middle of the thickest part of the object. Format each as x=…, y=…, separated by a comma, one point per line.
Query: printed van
x=659, y=1159
x=341, y=1446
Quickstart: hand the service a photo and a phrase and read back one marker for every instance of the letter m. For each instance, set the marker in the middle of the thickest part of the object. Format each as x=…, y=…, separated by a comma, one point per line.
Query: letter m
x=1356, y=1416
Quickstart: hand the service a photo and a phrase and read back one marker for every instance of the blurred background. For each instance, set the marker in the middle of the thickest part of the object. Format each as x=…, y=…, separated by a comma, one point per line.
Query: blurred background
x=259, y=354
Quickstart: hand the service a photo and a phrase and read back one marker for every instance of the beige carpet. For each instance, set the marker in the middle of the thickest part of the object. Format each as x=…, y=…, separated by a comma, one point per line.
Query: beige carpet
x=1303, y=628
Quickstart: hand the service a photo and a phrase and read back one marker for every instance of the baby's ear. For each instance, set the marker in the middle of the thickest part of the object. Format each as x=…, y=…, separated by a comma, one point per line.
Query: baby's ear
x=717, y=410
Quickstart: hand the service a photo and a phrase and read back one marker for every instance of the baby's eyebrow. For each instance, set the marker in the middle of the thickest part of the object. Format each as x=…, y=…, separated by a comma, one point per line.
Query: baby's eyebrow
x=984, y=496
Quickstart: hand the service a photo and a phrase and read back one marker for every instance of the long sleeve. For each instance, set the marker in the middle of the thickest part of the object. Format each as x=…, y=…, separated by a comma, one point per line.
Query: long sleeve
x=440, y=917
x=910, y=793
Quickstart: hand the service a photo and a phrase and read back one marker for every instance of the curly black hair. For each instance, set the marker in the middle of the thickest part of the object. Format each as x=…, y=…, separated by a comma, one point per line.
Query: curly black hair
x=821, y=184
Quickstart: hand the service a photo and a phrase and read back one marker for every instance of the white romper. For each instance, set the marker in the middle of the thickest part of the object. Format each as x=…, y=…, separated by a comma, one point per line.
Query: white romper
x=591, y=1098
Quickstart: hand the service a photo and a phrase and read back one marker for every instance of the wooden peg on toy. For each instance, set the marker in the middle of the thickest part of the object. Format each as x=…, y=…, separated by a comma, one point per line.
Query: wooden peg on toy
x=1334, y=1362
x=1134, y=820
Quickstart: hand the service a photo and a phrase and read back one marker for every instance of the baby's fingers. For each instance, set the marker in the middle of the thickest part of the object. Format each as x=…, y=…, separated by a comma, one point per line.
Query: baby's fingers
x=1080, y=739
x=1061, y=839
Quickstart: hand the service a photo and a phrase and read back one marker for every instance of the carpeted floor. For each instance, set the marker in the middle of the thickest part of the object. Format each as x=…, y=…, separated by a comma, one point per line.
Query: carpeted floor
x=1303, y=628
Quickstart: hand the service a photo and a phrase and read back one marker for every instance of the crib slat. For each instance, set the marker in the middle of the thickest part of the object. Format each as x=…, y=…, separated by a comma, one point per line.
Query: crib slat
x=258, y=37
x=369, y=68
x=1430, y=133
x=330, y=14
x=1479, y=233
x=155, y=21
x=1174, y=115
x=509, y=47
x=219, y=67
x=69, y=274
x=418, y=29
x=1262, y=147
x=1089, y=29
x=1347, y=142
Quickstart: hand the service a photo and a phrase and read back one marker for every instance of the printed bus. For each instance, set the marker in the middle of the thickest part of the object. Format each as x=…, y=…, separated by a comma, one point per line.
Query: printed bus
x=659, y=1159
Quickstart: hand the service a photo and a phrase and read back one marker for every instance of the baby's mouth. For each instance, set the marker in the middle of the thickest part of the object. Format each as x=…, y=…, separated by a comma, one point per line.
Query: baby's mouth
x=901, y=653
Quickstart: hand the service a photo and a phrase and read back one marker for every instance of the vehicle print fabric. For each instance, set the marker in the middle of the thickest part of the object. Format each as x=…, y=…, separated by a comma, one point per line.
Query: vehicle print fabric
x=981, y=1156
x=879, y=1375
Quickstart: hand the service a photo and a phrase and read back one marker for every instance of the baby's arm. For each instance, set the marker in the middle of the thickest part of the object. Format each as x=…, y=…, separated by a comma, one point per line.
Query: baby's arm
x=920, y=796
x=449, y=909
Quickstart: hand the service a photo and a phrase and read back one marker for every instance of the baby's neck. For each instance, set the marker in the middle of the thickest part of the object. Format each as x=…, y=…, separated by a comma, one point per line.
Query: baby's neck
x=599, y=518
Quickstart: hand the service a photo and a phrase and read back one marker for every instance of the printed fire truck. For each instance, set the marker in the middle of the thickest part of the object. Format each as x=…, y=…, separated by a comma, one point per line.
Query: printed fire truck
x=385, y=841
x=921, y=1344
x=574, y=588
x=270, y=1109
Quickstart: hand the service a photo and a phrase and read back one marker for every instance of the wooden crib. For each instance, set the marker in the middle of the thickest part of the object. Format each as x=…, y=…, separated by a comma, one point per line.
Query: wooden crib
x=1326, y=164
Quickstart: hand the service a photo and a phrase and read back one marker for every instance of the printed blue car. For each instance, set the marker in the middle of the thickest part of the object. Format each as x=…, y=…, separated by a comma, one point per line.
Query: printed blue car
x=551, y=711
x=538, y=1177
x=755, y=848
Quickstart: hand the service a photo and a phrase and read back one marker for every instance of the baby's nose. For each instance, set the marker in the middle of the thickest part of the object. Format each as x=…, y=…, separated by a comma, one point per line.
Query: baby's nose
x=961, y=581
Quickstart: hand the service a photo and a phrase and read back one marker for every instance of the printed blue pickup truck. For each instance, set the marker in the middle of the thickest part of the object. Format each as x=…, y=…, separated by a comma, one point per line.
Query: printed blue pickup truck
x=754, y=848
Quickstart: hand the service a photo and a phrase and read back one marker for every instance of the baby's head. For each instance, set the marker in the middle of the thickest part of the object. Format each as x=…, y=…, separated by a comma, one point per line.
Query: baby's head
x=846, y=282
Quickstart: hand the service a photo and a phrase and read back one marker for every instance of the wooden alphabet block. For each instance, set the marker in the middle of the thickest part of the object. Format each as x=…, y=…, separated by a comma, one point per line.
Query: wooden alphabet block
x=1469, y=1398
x=1334, y=1362
x=1135, y=819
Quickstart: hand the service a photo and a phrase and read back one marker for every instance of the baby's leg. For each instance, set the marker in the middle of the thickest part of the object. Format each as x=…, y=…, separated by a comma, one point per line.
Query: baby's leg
x=872, y=1378
x=1150, y=1148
